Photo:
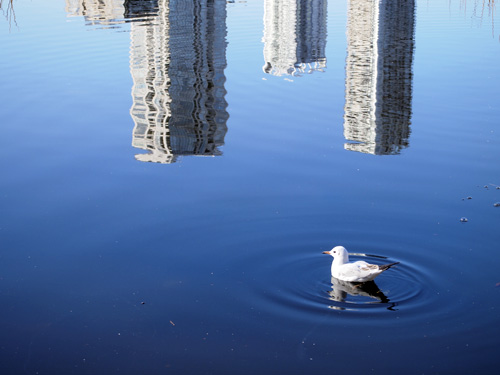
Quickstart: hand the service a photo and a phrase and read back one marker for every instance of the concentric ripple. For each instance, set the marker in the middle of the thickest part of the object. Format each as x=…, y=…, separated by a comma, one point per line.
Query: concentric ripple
x=297, y=283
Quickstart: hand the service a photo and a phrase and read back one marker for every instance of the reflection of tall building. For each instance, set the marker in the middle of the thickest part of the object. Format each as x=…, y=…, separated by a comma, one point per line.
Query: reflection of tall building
x=177, y=64
x=294, y=36
x=97, y=11
x=140, y=9
x=380, y=38
x=110, y=12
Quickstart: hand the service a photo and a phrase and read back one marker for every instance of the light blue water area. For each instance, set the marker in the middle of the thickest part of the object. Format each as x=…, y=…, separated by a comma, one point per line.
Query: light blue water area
x=172, y=172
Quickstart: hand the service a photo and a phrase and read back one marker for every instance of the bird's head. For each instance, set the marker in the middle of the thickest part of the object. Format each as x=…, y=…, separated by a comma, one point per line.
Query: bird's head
x=338, y=252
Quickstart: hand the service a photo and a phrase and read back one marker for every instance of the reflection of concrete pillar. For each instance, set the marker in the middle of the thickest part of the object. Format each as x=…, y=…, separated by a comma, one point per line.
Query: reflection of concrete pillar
x=294, y=36
x=380, y=39
x=177, y=64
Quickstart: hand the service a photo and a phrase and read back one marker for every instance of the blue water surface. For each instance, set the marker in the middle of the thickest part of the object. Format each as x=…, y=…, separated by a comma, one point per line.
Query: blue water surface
x=172, y=172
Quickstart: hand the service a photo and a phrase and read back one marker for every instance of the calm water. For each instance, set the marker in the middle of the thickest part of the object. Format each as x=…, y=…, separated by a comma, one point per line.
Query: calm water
x=173, y=170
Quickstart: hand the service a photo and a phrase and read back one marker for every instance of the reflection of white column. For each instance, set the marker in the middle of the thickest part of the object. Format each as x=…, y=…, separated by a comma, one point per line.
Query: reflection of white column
x=379, y=75
x=177, y=65
x=149, y=61
x=294, y=36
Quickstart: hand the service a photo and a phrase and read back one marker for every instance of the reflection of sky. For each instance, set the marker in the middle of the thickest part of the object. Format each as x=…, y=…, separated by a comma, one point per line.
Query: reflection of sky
x=82, y=221
x=379, y=75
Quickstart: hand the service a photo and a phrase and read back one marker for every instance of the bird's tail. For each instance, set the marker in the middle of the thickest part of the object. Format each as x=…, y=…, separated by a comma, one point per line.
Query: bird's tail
x=387, y=266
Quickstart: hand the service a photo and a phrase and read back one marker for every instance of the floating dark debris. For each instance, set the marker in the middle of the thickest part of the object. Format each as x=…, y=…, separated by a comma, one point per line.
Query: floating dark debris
x=464, y=220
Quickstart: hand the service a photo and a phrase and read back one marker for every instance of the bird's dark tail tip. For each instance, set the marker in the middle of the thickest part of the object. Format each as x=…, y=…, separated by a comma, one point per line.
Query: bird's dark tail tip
x=387, y=266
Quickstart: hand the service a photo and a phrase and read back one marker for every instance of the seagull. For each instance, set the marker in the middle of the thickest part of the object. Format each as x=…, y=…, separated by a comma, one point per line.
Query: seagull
x=357, y=272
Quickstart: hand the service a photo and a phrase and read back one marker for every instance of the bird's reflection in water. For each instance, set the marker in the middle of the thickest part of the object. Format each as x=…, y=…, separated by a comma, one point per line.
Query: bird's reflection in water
x=342, y=289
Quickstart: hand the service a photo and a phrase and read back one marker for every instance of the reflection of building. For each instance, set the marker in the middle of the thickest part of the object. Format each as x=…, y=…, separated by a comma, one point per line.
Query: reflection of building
x=294, y=36
x=140, y=9
x=379, y=75
x=110, y=12
x=177, y=64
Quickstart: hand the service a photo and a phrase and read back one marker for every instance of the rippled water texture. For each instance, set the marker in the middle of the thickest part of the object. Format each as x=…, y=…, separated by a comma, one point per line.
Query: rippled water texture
x=172, y=172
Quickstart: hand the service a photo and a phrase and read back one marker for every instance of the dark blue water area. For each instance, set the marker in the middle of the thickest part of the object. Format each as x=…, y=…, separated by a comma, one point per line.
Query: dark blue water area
x=214, y=265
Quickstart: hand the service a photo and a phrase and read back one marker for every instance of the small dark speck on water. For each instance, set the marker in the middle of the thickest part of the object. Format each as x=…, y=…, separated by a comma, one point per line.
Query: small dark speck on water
x=143, y=303
x=464, y=220
x=469, y=197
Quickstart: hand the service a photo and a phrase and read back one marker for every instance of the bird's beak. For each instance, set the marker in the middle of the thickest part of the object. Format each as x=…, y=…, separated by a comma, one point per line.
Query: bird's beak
x=326, y=252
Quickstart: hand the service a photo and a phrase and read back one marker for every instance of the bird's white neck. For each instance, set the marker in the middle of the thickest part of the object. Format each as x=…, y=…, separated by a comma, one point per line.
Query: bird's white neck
x=337, y=262
x=340, y=259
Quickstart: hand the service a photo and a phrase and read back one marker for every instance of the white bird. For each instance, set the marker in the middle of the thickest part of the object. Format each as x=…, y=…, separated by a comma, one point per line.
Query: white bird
x=356, y=272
